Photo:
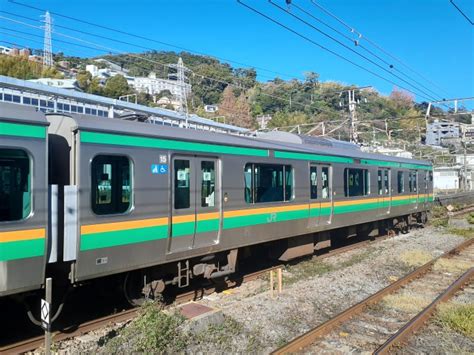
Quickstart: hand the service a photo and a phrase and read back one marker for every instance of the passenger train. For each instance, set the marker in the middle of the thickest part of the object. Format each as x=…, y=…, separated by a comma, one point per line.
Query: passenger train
x=84, y=197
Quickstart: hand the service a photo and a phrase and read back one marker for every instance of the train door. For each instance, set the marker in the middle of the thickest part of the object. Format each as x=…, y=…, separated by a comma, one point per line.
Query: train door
x=425, y=191
x=384, y=191
x=326, y=206
x=413, y=186
x=208, y=206
x=195, y=210
x=314, y=196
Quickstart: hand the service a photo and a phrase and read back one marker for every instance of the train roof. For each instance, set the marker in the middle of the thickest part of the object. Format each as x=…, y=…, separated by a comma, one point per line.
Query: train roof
x=22, y=114
x=116, y=126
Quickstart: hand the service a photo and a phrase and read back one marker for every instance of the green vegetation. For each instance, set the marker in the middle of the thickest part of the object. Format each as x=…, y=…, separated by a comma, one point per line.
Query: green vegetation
x=306, y=269
x=22, y=68
x=439, y=216
x=470, y=218
x=306, y=101
x=465, y=233
x=153, y=331
x=458, y=317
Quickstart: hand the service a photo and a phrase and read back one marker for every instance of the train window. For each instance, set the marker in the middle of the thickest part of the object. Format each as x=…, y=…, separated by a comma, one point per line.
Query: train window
x=386, y=179
x=356, y=182
x=268, y=183
x=15, y=185
x=379, y=182
x=313, y=182
x=181, y=184
x=401, y=182
x=208, y=185
x=412, y=181
x=325, y=182
x=111, y=185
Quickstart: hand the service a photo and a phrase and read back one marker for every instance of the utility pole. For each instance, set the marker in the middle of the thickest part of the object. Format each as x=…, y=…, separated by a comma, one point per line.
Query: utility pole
x=48, y=47
x=182, y=92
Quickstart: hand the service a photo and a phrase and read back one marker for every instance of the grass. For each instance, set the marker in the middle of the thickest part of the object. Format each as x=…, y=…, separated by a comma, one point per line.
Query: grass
x=439, y=216
x=458, y=317
x=465, y=233
x=451, y=265
x=306, y=269
x=153, y=331
x=470, y=218
x=406, y=302
x=415, y=258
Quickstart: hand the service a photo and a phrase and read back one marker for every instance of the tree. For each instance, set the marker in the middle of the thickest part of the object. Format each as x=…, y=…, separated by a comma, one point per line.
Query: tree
x=116, y=86
x=84, y=79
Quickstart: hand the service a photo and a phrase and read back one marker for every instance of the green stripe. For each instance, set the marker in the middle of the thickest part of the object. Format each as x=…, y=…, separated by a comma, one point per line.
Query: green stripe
x=133, y=141
x=22, y=130
x=315, y=157
x=245, y=221
x=122, y=237
x=209, y=225
x=131, y=236
x=395, y=164
x=185, y=228
x=21, y=249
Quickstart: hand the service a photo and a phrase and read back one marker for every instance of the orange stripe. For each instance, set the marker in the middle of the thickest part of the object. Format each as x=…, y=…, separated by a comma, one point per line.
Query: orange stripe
x=27, y=234
x=207, y=216
x=116, y=226
x=184, y=219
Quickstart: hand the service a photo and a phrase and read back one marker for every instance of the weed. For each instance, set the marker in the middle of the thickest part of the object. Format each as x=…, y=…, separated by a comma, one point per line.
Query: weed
x=355, y=259
x=415, y=257
x=153, y=331
x=451, y=265
x=406, y=302
x=306, y=269
x=465, y=233
x=470, y=218
x=439, y=216
x=458, y=317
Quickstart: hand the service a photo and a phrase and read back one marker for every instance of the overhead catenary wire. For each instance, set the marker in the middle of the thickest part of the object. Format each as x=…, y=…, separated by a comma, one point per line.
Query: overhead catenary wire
x=322, y=47
x=426, y=95
x=152, y=40
x=115, y=51
x=353, y=30
x=462, y=12
x=360, y=45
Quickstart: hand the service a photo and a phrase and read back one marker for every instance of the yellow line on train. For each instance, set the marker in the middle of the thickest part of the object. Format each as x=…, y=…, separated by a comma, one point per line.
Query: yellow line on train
x=27, y=234
x=116, y=226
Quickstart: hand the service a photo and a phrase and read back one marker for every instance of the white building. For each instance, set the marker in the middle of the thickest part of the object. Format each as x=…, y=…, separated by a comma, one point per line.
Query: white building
x=446, y=178
x=153, y=85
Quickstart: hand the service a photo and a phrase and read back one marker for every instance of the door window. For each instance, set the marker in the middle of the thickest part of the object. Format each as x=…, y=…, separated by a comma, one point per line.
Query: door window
x=313, y=181
x=325, y=183
x=208, y=185
x=182, y=184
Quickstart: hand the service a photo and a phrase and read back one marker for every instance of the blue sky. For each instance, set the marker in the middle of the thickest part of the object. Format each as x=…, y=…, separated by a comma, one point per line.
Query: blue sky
x=431, y=36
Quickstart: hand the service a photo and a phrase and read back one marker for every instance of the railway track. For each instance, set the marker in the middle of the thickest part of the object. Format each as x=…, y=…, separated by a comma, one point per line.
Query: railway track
x=376, y=326
x=36, y=342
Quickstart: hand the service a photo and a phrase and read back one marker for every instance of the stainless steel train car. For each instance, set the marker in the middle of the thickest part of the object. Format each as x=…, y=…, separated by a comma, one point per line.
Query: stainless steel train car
x=163, y=206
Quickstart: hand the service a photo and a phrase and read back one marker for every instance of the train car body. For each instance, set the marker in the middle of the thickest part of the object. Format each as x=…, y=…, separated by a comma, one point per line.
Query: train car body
x=23, y=199
x=139, y=195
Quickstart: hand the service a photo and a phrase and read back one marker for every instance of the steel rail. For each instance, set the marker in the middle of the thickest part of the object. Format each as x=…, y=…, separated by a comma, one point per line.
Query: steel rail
x=311, y=336
x=418, y=321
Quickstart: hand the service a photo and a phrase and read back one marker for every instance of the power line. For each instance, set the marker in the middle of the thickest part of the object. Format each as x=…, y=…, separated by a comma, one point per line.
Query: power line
x=324, y=48
x=359, y=45
x=349, y=48
x=152, y=40
x=353, y=30
x=462, y=13
x=115, y=51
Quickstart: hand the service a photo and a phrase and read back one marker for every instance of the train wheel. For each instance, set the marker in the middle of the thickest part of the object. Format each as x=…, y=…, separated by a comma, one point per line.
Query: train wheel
x=133, y=288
